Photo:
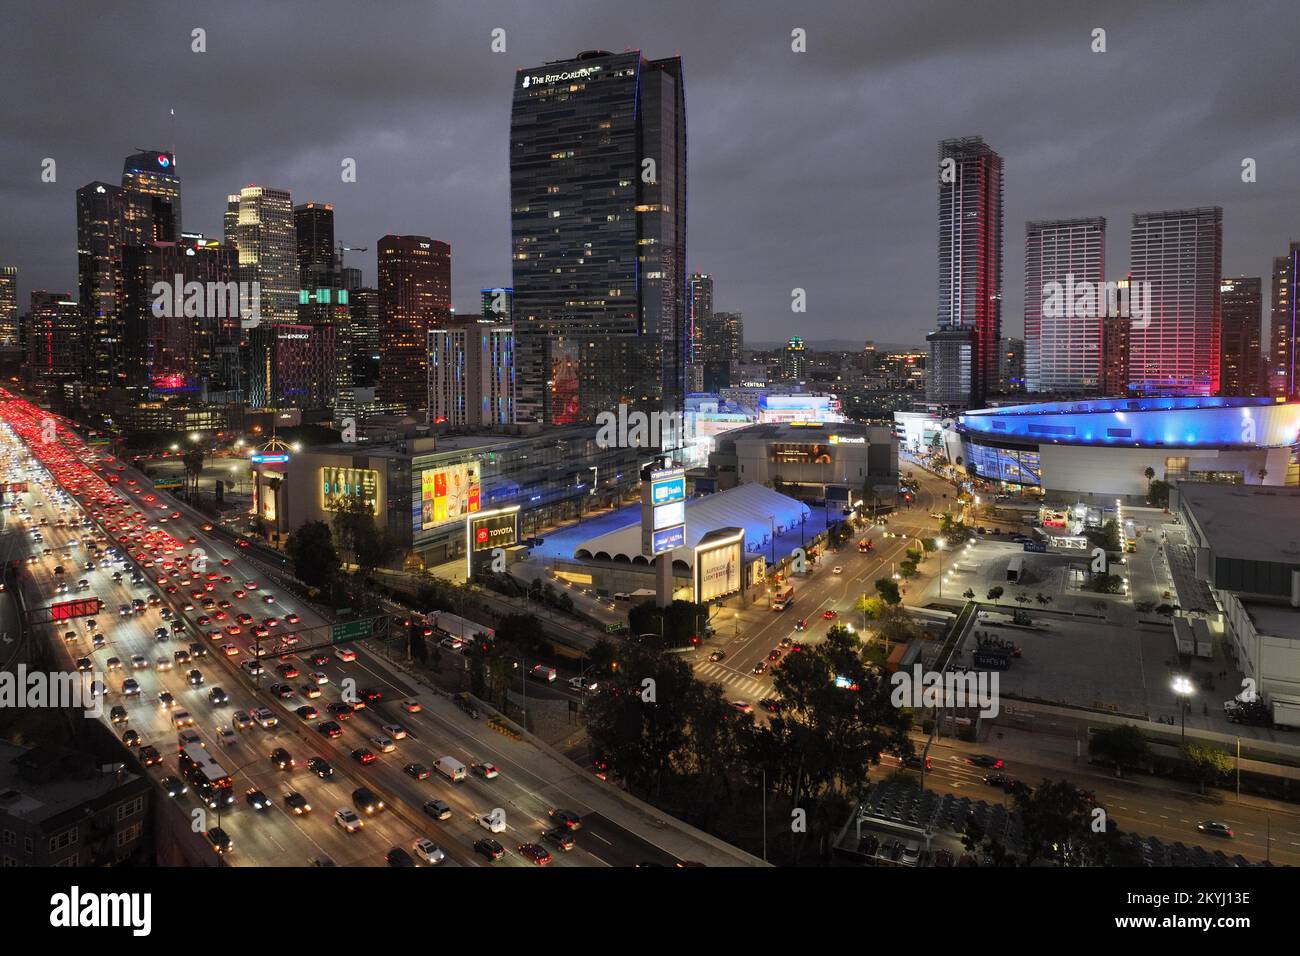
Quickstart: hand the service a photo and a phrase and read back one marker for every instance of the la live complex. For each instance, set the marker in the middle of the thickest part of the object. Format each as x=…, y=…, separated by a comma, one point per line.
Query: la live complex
x=610, y=562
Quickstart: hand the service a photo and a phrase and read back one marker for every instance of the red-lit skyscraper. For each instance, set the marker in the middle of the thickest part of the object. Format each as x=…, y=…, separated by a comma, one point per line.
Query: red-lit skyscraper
x=970, y=270
x=414, y=297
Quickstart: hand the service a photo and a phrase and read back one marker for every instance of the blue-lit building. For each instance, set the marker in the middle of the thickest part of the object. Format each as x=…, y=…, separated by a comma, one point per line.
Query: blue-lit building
x=1101, y=449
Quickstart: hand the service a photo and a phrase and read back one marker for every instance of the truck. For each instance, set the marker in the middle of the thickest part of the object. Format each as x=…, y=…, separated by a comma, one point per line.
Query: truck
x=1015, y=568
x=542, y=673
x=451, y=768
x=782, y=597
x=446, y=624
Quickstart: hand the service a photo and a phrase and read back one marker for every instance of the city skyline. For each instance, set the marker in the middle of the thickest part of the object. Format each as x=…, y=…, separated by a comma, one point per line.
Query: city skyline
x=428, y=183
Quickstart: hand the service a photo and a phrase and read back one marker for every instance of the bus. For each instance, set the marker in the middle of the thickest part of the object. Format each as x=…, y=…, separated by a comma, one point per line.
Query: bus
x=200, y=767
x=782, y=597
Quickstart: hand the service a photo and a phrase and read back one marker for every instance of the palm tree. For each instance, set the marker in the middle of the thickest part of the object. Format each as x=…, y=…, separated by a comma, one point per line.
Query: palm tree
x=1022, y=598
x=1150, y=474
x=1263, y=473
x=193, y=461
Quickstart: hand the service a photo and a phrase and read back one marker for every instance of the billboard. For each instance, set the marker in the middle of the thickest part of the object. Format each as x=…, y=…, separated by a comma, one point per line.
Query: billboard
x=663, y=510
x=486, y=532
x=447, y=493
x=718, y=563
x=340, y=485
x=80, y=608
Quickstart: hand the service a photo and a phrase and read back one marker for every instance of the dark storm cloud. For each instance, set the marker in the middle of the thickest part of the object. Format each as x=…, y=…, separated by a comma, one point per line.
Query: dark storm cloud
x=812, y=170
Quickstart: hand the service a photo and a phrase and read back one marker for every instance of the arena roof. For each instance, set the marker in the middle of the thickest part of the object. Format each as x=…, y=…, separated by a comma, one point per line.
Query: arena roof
x=751, y=507
x=1214, y=422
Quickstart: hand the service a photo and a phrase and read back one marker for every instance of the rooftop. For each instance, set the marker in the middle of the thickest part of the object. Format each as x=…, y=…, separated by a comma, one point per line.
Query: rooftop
x=1248, y=522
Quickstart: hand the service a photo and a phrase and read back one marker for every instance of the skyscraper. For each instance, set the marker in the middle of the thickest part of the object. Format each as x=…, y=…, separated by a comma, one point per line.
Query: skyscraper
x=363, y=311
x=153, y=201
x=414, y=297
x=8, y=306
x=102, y=211
x=1282, y=381
x=498, y=305
x=598, y=226
x=1063, y=346
x=314, y=227
x=471, y=375
x=1178, y=255
x=230, y=221
x=970, y=267
x=1115, y=354
x=268, y=250
x=54, y=342
x=794, y=360
x=1239, y=346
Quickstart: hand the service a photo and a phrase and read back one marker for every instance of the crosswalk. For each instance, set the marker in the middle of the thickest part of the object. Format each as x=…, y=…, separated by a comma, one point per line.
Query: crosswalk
x=711, y=672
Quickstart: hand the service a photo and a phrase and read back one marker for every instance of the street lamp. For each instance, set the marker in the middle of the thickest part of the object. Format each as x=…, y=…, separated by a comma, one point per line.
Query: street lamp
x=1183, y=688
x=939, y=546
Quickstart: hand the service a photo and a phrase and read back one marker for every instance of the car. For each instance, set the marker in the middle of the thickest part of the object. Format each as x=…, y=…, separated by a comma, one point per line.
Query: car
x=265, y=719
x=230, y=650
x=257, y=799
x=226, y=736
x=837, y=570
x=320, y=767
x=340, y=710
x=770, y=704
x=744, y=706
x=346, y=654
x=916, y=762
x=437, y=809
x=296, y=803
x=319, y=660
x=268, y=599
x=329, y=729
x=241, y=720
x=131, y=738
x=307, y=712
x=281, y=759
x=985, y=760
x=535, y=853
x=365, y=800
x=567, y=819
x=417, y=770
x=113, y=663
x=828, y=614
x=287, y=671
x=149, y=756
x=1215, y=828
x=218, y=696
x=428, y=851
x=489, y=848
x=253, y=667
x=163, y=664
x=718, y=655
x=363, y=756
x=561, y=837
x=310, y=691
x=130, y=687
x=399, y=857
x=485, y=770
x=118, y=715
x=139, y=662
x=347, y=818
x=174, y=786
x=759, y=668
x=220, y=840
x=492, y=822
x=195, y=678
x=291, y=619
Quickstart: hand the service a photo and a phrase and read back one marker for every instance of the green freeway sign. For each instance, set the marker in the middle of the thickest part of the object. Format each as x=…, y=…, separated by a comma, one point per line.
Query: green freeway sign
x=352, y=630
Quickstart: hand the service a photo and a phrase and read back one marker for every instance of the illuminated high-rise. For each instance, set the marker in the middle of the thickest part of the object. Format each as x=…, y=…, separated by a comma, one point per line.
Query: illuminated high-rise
x=1177, y=255
x=153, y=201
x=1281, y=365
x=8, y=306
x=1062, y=328
x=598, y=232
x=970, y=272
x=414, y=297
x=1239, y=346
x=268, y=250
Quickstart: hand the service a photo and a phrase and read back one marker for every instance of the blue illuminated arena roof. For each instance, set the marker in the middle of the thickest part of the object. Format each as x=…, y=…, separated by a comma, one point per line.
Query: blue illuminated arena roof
x=1185, y=422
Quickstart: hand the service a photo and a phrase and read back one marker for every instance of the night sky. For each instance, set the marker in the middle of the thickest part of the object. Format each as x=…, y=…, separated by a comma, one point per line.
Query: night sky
x=815, y=169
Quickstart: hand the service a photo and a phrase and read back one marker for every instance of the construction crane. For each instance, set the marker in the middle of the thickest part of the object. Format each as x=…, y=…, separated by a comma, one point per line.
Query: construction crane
x=342, y=249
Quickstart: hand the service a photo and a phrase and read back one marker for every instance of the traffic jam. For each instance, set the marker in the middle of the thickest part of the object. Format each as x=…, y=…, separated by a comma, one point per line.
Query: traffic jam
x=169, y=607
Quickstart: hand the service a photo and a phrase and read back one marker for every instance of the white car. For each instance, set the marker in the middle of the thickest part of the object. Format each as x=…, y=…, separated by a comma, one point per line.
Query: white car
x=396, y=731
x=320, y=677
x=346, y=654
x=428, y=851
x=163, y=664
x=348, y=819
x=837, y=570
x=492, y=822
x=139, y=662
x=265, y=718
x=227, y=736
x=383, y=744
x=581, y=684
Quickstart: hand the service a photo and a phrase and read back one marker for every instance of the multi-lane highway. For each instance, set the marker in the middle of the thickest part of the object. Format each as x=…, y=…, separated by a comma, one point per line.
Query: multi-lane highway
x=142, y=547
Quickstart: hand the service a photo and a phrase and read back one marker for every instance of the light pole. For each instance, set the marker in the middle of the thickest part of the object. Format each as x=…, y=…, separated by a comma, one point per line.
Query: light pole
x=1183, y=689
x=939, y=544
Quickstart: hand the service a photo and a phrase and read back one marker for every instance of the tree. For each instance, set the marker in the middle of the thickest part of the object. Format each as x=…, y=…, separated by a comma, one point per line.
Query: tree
x=677, y=625
x=1044, y=599
x=358, y=532
x=193, y=460
x=1106, y=583
x=524, y=633
x=311, y=549
x=1056, y=820
x=888, y=591
x=968, y=594
x=1150, y=474
x=1205, y=763
x=1107, y=536
x=1122, y=746
x=1158, y=494
x=995, y=593
x=1022, y=598
x=1263, y=473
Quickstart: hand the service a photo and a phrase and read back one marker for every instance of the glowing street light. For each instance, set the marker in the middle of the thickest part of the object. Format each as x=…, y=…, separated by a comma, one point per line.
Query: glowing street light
x=1182, y=686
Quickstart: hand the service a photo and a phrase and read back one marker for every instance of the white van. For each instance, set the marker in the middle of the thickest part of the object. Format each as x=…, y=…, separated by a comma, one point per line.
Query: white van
x=451, y=768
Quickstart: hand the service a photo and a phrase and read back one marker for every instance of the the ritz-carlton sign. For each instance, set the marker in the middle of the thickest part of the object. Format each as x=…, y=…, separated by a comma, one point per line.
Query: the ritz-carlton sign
x=579, y=74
